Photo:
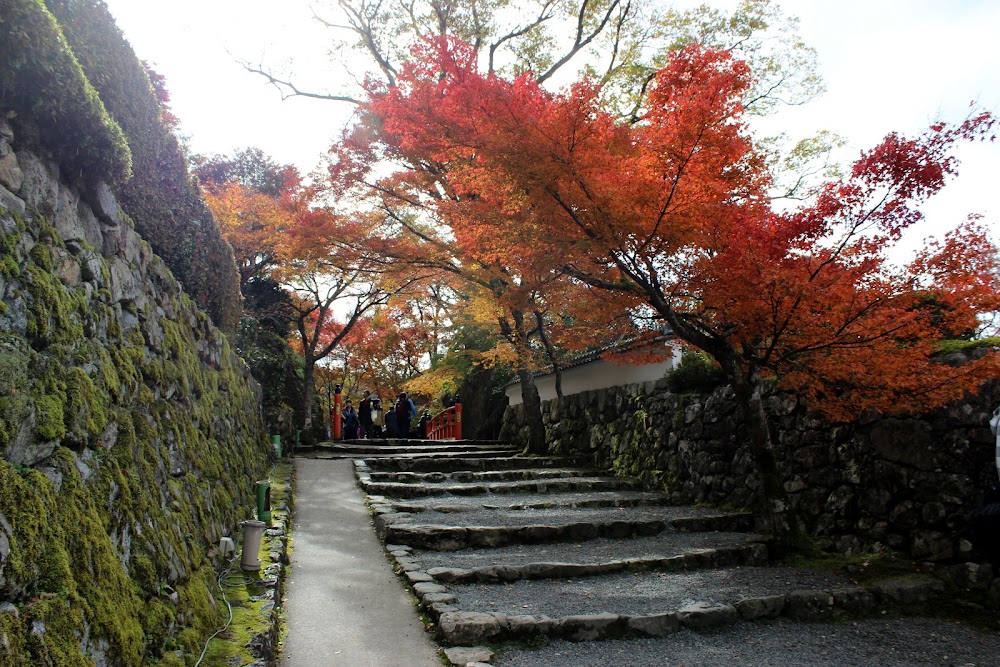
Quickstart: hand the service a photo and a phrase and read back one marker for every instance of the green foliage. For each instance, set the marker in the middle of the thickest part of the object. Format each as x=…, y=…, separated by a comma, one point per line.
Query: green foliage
x=951, y=346
x=51, y=103
x=262, y=342
x=160, y=197
x=251, y=168
x=696, y=372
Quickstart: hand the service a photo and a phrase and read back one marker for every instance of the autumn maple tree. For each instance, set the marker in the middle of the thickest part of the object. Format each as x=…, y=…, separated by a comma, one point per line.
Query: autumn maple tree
x=505, y=270
x=673, y=209
x=330, y=264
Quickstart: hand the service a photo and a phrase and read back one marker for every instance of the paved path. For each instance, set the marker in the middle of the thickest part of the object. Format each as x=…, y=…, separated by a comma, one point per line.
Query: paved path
x=344, y=605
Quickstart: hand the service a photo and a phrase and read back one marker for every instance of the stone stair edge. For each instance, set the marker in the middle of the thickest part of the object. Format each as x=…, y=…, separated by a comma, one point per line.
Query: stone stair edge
x=754, y=552
x=576, y=484
x=440, y=537
x=467, y=628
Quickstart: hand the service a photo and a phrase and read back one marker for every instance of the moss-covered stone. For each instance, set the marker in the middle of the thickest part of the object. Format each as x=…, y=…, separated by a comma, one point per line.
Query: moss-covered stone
x=156, y=443
x=51, y=101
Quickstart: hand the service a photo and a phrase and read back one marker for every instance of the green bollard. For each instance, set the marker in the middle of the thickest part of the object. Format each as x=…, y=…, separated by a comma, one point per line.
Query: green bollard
x=276, y=444
x=264, y=500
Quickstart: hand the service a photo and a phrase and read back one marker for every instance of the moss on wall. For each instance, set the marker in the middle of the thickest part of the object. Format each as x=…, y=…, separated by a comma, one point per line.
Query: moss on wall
x=129, y=443
x=160, y=197
x=50, y=100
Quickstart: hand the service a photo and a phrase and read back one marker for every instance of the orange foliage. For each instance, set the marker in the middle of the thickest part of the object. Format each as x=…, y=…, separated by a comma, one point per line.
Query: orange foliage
x=673, y=211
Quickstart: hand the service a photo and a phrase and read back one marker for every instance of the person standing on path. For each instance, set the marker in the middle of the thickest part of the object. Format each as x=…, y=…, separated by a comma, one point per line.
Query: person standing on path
x=365, y=414
x=350, y=418
x=405, y=411
x=378, y=418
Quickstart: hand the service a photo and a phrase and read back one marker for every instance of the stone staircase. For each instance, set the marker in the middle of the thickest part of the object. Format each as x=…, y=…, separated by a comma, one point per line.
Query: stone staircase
x=501, y=547
x=404, y=449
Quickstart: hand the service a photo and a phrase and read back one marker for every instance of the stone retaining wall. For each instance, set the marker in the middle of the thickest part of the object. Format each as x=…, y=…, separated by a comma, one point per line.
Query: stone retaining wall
x=130, y=434
x=906, y=482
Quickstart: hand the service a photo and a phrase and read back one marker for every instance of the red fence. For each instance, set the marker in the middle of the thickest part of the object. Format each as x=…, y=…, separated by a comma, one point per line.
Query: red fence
x=446, y=425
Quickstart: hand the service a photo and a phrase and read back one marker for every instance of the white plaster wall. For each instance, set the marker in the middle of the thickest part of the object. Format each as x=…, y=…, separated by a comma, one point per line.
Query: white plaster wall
x=596, y=375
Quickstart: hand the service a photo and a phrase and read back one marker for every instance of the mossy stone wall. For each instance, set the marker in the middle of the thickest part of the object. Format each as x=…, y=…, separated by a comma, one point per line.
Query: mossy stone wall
x=903, y=481
x=130, y=434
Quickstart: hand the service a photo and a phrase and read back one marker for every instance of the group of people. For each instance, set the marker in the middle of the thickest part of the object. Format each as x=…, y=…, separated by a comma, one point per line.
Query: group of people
x=370, y=420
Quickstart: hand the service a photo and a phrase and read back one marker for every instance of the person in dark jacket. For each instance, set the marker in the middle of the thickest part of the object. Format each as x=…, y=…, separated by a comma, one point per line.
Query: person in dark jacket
x=422, y=426
x=365, y=414
x=350, y=418
x=403, y=409
x=390, y=422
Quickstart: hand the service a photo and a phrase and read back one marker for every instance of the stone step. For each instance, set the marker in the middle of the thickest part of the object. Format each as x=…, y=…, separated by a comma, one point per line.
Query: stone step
x=397, y=490
x=415, y=447
x=497, y=528
x=375, y=456
x=518, y=501
x=479, y=476
x=439, y=464
x=882, y=642
x=668, y=552
x=654, y=603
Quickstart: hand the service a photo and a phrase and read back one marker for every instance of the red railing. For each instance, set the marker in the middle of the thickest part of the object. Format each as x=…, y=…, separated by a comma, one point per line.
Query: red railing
x=446, y=425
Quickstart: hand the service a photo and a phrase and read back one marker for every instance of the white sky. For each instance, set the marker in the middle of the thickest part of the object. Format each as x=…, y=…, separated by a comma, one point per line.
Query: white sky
x=888, y=65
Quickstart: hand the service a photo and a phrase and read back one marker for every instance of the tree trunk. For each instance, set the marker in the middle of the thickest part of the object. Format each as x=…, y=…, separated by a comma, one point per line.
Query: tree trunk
x=532, y=411
x=307, y=395
x=782, y=519
x=550, y=350
x=529, y=392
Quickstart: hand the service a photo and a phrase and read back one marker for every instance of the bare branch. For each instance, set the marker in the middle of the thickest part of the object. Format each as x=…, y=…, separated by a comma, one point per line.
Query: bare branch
x=582, y=41
x=287, y=89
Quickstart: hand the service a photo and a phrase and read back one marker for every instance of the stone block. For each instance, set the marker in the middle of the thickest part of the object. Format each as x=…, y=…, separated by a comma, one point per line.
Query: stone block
x=449, y=574
x=425, y=587
x=913, y=590
x=932, y=545
x=701, y=615
x=10, y=172
x=465, y=628
x=67, y=269
x=438, y=598
x=90, y=225
x=104, y=204
x=972, y=576
x=769, y=606
x=853, y=599
x=39, y=184
x=462, y=656
x=588, y=627
x=657, y=625
x=11, y=202
x=66, y=218
x=527, y=625
x=408, y=564
x=808, y=605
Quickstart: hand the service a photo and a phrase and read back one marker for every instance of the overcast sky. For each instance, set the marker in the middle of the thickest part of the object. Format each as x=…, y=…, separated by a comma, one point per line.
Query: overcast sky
x=888, y=65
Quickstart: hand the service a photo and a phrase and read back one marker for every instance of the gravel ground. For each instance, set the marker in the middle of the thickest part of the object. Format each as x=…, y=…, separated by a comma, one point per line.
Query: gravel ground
x=598, y=550
x=912, y=642
x=558, y=516
x=638, y=593
x=532, y=500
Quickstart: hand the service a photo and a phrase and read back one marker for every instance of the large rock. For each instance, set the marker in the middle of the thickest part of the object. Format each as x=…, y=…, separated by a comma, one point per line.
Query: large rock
x=39, y=185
